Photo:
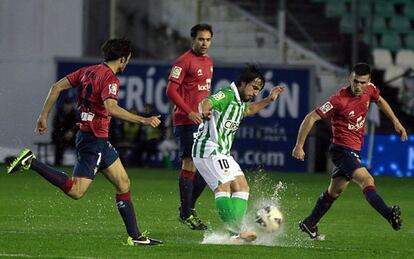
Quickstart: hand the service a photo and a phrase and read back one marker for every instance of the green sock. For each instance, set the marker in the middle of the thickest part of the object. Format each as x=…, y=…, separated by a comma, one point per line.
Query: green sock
x=224, y=208
x=239, y=201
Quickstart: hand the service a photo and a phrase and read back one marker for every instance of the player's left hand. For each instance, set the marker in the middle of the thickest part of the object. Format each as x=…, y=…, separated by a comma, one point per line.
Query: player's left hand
x=274, y=93
x=400, y=130
x=298, y=153
x=153, y=121
x=41, y=125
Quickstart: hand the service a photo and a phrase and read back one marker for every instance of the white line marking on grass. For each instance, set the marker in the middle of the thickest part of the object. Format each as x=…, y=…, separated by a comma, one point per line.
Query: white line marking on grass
x=43, y=256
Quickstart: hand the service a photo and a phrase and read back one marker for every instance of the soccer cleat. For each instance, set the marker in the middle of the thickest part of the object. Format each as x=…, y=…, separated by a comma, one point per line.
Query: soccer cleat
x=201, y=225
x=312, y=231
x=143, y=241
x=193, y=223
x=22, y=162
x=395, y=219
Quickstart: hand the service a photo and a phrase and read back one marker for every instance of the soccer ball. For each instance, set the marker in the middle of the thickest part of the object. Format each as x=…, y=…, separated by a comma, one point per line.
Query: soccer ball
x=269, y=219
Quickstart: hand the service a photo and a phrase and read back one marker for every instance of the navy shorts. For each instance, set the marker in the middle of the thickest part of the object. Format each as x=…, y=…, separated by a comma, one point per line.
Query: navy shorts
x=93, y=154
x=184, y=136
x=346, y=161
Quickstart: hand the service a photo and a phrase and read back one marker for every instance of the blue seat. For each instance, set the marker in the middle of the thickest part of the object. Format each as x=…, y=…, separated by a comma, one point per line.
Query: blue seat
x=335, y=8
x=409, y=41
x=391, y=41
x=346, y=23
x=384, y=8
x=379, y=24
x=409, y=10
x=400, y=24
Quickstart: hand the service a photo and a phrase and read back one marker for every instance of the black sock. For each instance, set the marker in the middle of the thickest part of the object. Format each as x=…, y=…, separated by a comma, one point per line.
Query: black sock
x=199, y=186
x=323, y=204
x=55, y=177
x=186, y=184
x=126, y=209
x=376, y=201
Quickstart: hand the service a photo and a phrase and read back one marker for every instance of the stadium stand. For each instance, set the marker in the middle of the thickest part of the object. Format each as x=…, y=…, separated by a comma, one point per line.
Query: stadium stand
x=382, y=58
x=392, y=72
x=405, y=58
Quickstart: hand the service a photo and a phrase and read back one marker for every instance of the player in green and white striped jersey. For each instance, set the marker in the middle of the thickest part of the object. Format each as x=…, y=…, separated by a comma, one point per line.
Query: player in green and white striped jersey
x=222, y=114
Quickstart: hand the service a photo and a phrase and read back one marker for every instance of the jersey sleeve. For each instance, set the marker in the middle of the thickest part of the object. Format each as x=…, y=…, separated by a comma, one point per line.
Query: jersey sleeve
x=220, y=99
x=74, y=77
x=110, y=88
x=375, y=93
x=328, y=109
x=178, y=71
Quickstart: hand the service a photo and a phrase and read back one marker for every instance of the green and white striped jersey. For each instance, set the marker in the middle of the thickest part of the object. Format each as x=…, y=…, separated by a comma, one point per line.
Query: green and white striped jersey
x=216, y=135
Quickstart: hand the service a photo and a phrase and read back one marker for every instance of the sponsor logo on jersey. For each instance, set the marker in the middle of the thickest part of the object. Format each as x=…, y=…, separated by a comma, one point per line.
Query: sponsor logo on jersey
x=113, y=88
x=231, y=125
x=218, y=96
x=199, y=72
x=326, y=107
x=205, y=87
x=359, y=124
x=176, y=72
x=351, y=114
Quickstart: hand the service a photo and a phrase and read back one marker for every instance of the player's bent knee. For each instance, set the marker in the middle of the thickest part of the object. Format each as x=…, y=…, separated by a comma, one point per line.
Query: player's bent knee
x=124, y=185
x=76, y=195
x=336, y=194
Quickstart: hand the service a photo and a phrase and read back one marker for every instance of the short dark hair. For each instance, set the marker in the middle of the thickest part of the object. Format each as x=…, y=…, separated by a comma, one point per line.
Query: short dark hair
x=361, y=69
x=116, y=48
x=201, y=27
x=250, y=73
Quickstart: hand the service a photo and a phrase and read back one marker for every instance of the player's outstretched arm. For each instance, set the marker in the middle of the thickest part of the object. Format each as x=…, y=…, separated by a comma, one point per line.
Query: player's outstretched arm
x=386, y=109
x=116, y=111
x=54, y=92
x=255, y=107
x=304, y=130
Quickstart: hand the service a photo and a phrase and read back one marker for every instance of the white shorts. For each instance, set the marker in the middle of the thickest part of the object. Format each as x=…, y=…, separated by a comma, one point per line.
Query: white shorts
x=217, y=169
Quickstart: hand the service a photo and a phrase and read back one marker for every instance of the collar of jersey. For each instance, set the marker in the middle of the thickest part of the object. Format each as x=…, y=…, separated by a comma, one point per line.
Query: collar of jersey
x=236, y=92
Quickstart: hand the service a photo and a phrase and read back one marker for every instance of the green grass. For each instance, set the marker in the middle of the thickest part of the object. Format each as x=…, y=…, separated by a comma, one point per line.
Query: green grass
x=37, y=220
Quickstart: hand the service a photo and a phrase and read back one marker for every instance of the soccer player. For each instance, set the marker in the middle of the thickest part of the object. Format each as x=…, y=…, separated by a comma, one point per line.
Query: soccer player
x=347, y=110
x=189, y=83
x=223, y=113
x=97, y=94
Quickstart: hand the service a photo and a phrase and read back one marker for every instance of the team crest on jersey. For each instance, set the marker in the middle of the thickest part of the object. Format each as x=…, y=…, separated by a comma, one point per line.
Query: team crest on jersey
x=112, y=88
x=326, y=107
x=199, y=72
x=176, y=72
x=218, y=96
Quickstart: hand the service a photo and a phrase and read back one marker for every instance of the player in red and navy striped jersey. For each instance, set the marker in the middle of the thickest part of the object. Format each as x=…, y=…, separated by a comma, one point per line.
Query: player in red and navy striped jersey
x=97, y=101
x=347, y=110
x=188, y=84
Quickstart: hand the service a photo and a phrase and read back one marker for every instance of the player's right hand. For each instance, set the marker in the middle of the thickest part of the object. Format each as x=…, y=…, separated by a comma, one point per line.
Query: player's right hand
x=400, y=130
x=195, y=117
x=206, y=115
x=41, y=126
x=298, y=153
x=153, y=121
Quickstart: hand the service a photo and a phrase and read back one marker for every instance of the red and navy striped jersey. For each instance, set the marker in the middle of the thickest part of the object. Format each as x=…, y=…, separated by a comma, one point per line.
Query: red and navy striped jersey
x=347, y=114
x=94, y=84
x=193, y=73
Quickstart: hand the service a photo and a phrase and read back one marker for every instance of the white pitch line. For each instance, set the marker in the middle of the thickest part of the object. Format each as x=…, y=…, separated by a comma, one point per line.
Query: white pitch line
x=43, y=256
